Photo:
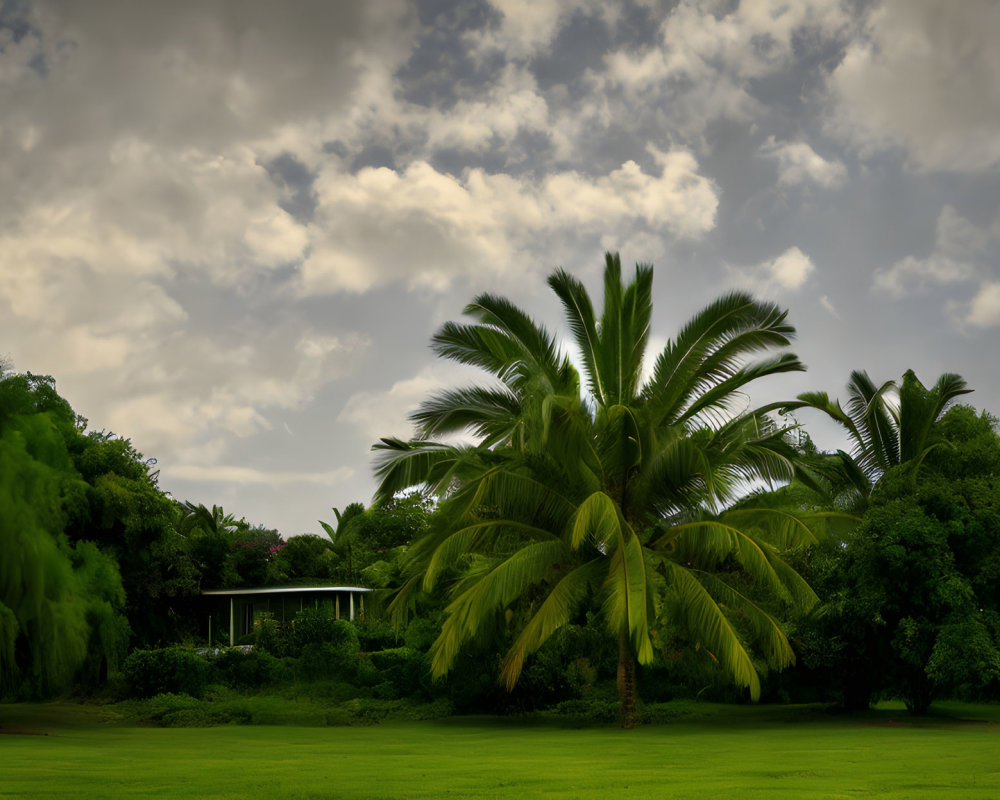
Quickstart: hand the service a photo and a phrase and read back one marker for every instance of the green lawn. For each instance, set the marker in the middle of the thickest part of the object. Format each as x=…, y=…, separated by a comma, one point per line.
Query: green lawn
x=742, y=753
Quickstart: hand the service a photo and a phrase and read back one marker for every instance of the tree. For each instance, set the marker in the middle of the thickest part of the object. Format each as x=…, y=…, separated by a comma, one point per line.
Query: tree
x=127, y=515
x=60, y=601
x=216, y=521
x=914, y=594
x=618, y=492
x=369, y=541
x=210, y=534
x=900, y=556
x=889, y=425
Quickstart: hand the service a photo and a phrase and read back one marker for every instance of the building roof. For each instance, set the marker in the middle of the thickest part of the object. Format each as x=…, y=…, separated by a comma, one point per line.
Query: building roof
x=289, y=590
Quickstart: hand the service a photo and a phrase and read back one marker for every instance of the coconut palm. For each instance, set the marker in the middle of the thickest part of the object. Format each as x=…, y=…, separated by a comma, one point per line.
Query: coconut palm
x=617, y=492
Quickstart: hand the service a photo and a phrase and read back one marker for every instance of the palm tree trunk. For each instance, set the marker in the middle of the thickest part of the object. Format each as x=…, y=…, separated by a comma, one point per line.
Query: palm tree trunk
x=626, y=684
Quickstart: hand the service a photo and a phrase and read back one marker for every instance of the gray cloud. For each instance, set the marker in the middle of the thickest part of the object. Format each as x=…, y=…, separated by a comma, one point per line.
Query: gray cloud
x=924, y=78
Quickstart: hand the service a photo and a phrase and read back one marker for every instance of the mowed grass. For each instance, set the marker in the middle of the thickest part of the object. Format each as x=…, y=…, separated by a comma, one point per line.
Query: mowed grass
x=743, y=753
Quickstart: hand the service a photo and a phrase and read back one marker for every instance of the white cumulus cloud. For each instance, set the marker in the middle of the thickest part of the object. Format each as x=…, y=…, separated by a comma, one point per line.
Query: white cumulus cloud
x=425, y=227
x=798, y=163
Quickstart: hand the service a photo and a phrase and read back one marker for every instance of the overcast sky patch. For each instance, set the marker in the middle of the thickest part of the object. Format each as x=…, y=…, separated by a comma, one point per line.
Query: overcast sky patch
x=225, y=222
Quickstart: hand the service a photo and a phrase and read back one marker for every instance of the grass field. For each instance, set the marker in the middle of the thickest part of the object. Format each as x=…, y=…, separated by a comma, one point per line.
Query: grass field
x=63, y=750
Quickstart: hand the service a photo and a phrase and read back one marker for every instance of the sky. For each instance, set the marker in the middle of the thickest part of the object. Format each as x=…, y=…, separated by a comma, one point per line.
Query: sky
x=229, y=228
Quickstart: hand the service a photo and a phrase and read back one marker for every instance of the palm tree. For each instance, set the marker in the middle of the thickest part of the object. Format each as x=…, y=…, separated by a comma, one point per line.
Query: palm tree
x=889, y=425
x=341, y=535
x=215, y=521
x=618, y=492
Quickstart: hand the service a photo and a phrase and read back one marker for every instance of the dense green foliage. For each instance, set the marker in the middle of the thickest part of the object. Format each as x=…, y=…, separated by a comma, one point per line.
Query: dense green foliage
x=912, y=599
x=617, y=495
x=59, y=600
x=174, y=670
x=603, y=539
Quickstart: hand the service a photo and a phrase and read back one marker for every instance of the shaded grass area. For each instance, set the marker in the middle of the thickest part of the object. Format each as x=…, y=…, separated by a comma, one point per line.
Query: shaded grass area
x=721, y=751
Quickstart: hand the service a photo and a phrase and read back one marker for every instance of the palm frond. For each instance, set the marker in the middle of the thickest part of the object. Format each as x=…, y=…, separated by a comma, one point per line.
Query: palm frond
x=582, y=325
x=555, y=611
x=628, y=604
x=490, y=414
x=401, y=465
x=623, y=331
x=720, y=395
x=710, y=627
x=701, y=357
x=766, y=633
x=472, y=537
x=920, y=409
x=875, y=419
x=597, y=519
x=490, y=594
x=706, y=544
x=787, y=529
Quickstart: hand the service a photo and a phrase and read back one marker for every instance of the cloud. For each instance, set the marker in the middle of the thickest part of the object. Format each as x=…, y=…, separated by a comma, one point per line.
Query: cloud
x=221, y=473
x=526, y=27
x=798, y=163
x=923, y=77
x=829, y=306
x=984, y=309
x=704, y=60
x=200, y=392
x=201, y=73
x=963, y=256
x=958, y=247
x=788, y=271
x=387, y=413
x=424, y=227
x=912, y=274
x=510, y=105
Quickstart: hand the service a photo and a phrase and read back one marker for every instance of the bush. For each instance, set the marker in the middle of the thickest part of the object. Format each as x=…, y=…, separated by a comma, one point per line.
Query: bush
x=408, y=671
x=588, y=710
x=375, y=634
x=168, y=671
x=249, y=671
x=318, y=626
x=421, y=633
x=273, y=637
x=324, y=661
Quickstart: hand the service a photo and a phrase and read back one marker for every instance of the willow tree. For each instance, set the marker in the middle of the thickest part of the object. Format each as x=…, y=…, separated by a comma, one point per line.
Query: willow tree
x=60, y=603
x=612, y=488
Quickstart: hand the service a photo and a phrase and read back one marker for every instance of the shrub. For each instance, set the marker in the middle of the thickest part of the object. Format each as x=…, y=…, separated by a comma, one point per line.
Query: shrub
x=168, y=671
x=375, y=634
x=421, y=633
x=253, y=670
x=407, y=670
x=589, y=710
x=318, y=626
x=325, y=660
x=275, y=638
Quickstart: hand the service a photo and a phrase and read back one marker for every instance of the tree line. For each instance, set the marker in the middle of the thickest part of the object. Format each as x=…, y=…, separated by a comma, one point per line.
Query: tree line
x=692, y=543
